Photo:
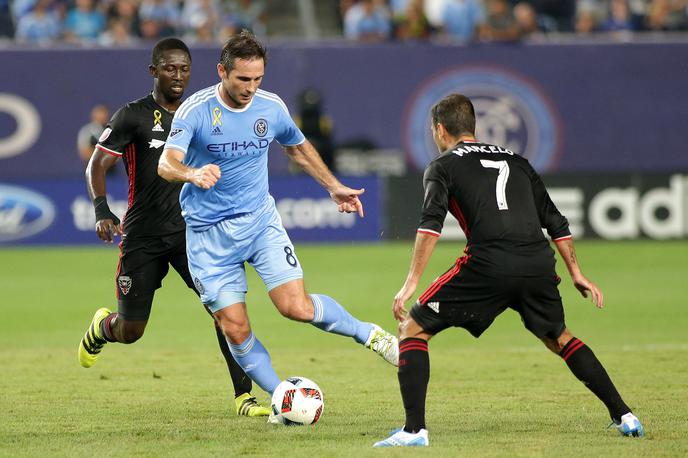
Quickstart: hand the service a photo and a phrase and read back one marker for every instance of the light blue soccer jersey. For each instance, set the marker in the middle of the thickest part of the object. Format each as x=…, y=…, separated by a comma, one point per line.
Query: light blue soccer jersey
x=209, y=131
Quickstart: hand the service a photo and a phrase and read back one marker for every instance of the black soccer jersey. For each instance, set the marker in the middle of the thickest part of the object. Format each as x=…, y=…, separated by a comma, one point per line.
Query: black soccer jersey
x=137, y=132
x=501, y=205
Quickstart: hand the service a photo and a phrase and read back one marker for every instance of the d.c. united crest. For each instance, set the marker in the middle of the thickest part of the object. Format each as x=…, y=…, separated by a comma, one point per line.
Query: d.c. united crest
x=124, y=283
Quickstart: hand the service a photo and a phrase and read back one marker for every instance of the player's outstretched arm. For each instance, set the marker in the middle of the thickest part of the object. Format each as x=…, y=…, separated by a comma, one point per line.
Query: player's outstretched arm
x=107, y=223
x=171, y=168
x=307, y=157
x=422, y=251
x=582, y=284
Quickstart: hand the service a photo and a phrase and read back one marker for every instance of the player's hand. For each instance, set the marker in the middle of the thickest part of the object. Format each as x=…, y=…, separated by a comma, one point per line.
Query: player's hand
x=107, y=229
x=347, y=199
x=205, y=177
x=398, y=309
x=586, y=287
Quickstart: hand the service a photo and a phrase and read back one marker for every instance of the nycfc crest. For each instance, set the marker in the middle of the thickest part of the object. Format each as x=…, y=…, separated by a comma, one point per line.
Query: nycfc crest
x=124, y=283
x=260, y=127
x=199, y=286
x=512, y=112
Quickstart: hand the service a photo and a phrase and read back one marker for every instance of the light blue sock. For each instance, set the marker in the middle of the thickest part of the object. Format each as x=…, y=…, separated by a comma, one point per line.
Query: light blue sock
x=254, y=359
x=332, y=317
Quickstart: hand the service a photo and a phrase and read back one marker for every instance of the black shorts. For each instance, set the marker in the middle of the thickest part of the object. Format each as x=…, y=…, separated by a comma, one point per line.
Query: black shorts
x=467, y=298
x=143, y=263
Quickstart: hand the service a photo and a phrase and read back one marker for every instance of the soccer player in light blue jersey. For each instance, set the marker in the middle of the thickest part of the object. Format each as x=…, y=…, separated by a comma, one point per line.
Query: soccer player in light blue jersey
x=218, y=146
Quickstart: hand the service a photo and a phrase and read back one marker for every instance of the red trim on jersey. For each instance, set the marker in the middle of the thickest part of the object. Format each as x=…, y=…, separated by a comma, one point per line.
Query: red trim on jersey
x=561, y=239
x=109, y=151
x=442, y=280
x=429, y=232
x=455, y=210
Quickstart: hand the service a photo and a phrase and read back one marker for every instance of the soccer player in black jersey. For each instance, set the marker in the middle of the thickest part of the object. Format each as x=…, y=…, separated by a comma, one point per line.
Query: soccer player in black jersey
x=502, y=205
x=152, y=230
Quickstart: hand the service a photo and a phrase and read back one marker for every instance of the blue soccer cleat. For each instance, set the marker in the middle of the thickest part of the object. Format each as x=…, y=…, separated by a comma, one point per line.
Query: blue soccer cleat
x=630, y=426
x=401, y=438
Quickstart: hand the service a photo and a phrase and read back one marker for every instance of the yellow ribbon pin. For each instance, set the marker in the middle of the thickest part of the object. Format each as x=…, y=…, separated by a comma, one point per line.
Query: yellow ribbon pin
x=157, y=117
x=216, y=117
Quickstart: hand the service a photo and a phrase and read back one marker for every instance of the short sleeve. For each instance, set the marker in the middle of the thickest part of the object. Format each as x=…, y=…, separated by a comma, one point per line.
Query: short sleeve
x=436, y=200
x=181, y=133
x=555, y=223
x=288, y=133
x=118, y=133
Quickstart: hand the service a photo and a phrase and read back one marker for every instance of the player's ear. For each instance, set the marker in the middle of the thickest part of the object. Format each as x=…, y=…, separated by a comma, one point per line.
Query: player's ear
x=152, y=69
x=221, y=71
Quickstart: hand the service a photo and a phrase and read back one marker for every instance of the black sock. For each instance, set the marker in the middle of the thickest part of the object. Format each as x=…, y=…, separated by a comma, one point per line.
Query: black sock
x=241, y=381
x=588, y=369
x=106, y=327
x=414, y=374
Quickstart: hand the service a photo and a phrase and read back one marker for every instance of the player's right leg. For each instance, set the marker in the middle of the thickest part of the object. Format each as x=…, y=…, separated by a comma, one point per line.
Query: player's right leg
x=216, y=262
x=229, y=310
x=139, y=274
x=414, y=375
x=245, y=403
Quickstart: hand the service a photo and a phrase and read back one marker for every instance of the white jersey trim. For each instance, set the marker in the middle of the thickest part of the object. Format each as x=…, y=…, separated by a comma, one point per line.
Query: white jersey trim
x=222, y=102
x=107, y=150
x=274, y=97
x=193, y=101
x=428, y=231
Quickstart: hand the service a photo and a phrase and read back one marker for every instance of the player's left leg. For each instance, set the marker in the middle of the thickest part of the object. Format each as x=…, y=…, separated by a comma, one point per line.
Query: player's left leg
x=542, y=313
x=274, y=258
x=327, y=314
x=583, y=363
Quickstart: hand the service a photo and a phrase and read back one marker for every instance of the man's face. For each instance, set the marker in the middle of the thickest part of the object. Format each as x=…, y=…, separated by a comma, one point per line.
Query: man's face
x=173, y=73
x=242, y=81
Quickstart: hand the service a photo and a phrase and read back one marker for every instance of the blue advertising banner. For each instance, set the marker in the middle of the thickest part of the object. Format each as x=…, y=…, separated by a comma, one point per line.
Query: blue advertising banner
x=567, y=107
x=60, y=212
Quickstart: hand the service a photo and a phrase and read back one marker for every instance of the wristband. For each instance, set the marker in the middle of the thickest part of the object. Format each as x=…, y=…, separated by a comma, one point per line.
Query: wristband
x=103, y=210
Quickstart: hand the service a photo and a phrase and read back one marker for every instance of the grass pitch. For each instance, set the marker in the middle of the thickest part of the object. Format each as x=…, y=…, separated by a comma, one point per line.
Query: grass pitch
x=503, y=395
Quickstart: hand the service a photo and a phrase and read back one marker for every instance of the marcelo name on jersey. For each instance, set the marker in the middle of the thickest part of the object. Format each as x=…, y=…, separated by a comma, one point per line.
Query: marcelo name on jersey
x=239, y=148
x=466, y=149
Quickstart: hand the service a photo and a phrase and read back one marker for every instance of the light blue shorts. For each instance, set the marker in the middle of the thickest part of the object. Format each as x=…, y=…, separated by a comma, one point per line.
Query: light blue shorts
x=217, y=256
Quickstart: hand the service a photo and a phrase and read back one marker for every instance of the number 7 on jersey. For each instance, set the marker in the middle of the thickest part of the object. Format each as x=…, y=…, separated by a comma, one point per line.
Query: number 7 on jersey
x=502, y=178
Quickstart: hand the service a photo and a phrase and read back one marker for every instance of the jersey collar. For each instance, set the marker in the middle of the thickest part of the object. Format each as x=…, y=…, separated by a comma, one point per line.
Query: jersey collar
x=235, y=110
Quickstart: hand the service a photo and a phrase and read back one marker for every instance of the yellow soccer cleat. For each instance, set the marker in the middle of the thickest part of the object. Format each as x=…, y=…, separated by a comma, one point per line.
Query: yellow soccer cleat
x=92, y=342
x=247, y=406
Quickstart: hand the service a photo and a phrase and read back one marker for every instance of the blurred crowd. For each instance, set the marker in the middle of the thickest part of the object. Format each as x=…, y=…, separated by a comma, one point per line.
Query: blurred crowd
x=126, y=22
x=464, y=21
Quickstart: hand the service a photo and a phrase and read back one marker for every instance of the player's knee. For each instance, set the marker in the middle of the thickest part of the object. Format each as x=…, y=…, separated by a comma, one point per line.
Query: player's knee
x=235, y=332
x=297, y=309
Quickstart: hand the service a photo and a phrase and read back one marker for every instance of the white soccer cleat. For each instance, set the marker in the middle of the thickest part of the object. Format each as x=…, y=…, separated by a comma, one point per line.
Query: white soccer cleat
x=384, y=344
x=401, y=438
x=630, y=426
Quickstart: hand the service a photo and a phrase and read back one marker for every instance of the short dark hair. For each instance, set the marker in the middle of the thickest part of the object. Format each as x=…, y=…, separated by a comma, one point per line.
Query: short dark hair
x=243, y=45
x=168, y=44
x=456, y=113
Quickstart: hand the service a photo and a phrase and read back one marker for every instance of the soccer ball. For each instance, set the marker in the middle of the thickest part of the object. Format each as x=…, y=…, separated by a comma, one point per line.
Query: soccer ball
x=297, y=401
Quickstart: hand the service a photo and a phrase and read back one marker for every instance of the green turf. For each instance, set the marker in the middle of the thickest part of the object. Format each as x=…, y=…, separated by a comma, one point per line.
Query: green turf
x=502, y=395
